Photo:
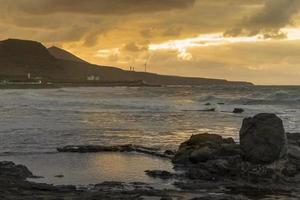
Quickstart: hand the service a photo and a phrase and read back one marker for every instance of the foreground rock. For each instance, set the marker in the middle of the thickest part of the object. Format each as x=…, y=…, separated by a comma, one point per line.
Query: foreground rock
x=262, y=162
x=263, y=139
x=205, y=147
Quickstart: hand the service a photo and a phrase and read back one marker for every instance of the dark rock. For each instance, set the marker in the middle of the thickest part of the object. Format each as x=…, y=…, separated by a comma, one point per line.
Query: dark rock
x=294, y=156
x=198, y=173
x=117, y=148
x=9, y=169
x=59, y=176
x=203, y=139
x=109, y=185
x=228, y=141
x=208, y=110
x=263, y=139
x=208, y=104
x=290, y=170
x=238, y=110
x=159, y=174
x=293, y=138
x=166, y=198
x=170, y=152
x=204, y=147
x=202, y=154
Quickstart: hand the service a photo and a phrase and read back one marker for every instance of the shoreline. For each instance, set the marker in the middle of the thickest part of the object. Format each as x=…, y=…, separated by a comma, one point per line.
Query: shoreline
x=74, y=85
x=55, y=85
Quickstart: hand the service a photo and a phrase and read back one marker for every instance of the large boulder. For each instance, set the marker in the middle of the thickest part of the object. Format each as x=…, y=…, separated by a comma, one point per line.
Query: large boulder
x=263, y=139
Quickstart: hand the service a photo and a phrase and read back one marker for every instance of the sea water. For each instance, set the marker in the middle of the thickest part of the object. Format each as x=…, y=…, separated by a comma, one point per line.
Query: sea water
x=33, y=123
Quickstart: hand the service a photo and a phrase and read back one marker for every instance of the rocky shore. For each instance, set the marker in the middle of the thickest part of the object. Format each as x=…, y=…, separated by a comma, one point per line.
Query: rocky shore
x=265, y=164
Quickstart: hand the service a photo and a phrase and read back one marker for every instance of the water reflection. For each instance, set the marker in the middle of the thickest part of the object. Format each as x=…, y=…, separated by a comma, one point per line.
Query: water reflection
x=84, y=169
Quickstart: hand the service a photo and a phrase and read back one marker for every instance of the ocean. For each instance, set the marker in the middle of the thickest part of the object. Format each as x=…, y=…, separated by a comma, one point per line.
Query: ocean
x=33, y=123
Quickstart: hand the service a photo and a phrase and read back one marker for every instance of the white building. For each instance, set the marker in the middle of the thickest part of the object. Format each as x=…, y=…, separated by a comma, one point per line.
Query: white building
x=93, y=78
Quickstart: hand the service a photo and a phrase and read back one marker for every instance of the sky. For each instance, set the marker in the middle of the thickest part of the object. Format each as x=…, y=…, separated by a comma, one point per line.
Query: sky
x=253, y=40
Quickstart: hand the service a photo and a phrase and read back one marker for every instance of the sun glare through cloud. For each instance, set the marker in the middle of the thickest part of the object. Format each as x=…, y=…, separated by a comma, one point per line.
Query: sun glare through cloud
x=182, y=46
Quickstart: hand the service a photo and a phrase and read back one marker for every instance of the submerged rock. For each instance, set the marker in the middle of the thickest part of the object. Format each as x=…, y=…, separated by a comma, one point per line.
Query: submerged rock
x=263, y=139
x=159, y=174
x=117, y=148
x=208, y=110
x=238, y=110
x=11, y=170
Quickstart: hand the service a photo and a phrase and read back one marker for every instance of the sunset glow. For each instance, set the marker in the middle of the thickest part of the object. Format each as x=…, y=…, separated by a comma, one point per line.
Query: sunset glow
x=182, y=37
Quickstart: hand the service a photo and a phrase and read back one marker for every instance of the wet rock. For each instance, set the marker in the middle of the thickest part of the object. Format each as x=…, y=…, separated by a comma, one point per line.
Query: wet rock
x=202, y=154
x=293, y=138
x=208, y=110
x=263, y=139
x=117, y=148
x=204, y=147
x=294, y=156
x=166, y=198
x=170, y=152
x=159, y=174
x=238, y=110
x=210, y=157
x=199, y=173
x=11, y=170
x=290, y=170
x=110, y=185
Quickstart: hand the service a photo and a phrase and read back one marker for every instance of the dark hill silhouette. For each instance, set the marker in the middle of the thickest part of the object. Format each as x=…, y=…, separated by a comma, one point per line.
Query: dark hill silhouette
x=64, y=55
x=19, y=57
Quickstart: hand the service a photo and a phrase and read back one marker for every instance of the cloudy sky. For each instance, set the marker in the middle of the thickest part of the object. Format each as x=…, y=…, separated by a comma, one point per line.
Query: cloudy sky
x=253, y=40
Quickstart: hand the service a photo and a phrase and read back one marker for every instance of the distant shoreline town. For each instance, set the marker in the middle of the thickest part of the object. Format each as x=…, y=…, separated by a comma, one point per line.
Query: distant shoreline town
x=28, y=64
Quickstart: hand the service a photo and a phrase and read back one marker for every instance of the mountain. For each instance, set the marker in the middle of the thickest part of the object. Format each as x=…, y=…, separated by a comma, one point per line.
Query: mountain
x=20, y=57
x=63, y=54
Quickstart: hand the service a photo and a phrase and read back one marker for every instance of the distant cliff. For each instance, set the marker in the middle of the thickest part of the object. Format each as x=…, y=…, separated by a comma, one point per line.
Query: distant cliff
x=18, y=58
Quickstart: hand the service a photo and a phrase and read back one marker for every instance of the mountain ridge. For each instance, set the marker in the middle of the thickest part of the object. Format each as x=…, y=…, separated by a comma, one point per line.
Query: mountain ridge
x=60, y=53
x=20, y=57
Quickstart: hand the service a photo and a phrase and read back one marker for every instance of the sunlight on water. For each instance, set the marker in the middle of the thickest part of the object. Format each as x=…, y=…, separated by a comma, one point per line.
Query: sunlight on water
x=85, y=169
x=42, y=120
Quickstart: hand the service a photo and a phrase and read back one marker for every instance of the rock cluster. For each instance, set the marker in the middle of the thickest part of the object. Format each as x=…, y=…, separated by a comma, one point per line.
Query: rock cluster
x=262, y=155
x=205, y=147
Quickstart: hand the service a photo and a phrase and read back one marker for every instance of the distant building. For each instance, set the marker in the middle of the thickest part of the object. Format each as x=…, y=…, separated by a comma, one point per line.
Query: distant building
x=93, y=78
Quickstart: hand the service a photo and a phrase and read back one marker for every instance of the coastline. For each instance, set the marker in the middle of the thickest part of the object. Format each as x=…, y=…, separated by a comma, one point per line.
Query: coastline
x=76, y=84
